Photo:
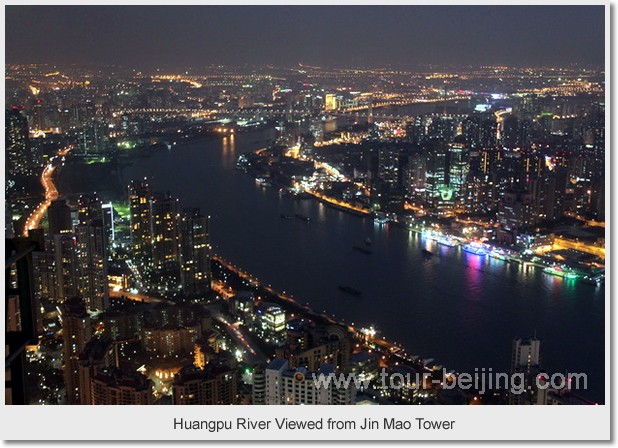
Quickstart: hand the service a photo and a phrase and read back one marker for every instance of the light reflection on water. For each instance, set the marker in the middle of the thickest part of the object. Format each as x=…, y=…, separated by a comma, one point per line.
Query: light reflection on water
x=461, y=309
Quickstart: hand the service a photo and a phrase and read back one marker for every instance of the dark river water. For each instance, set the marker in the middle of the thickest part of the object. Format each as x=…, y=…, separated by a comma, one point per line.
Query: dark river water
x=456, y=307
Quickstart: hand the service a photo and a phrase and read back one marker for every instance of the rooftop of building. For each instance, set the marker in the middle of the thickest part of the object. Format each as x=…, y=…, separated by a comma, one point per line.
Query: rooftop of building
x=96, y=349
x=74, y=306
x=277, y=364
x=209, y=372
x=114, y=377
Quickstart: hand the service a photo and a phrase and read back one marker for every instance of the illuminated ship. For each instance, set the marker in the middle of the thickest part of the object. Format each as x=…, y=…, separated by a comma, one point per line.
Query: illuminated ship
x=429, y=235
x=381, y=218
x=447, y=242
x=593, y=279
x=500, y=255
x=560, y=272
x=475, y=248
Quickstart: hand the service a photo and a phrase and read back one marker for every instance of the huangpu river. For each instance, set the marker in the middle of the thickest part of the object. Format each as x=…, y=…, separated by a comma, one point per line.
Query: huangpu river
x=458, y=308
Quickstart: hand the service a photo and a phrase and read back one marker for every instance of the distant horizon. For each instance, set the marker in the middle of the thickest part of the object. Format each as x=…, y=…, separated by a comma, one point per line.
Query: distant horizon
x=418, y=68
x=396, y=37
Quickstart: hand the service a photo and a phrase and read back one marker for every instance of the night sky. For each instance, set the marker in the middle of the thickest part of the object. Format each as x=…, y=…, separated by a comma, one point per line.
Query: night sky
x=339, y=36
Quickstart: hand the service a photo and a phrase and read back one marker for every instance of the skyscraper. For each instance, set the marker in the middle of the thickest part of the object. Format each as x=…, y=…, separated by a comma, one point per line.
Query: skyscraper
x=415, y=178
x=46, y=281
x=59, y=217
x=89, y=208
x=18, y=154
x=140, y=199
x=331, y=103
x=39, y=121
x=194, y=252
x=458, y=171
x=98, y=354
x=471, y=130
x=259, y=385
x=92, y=138
x=76, y=332
x=515, y=214
x=107, y=214
x=310, y=345
x=438, y=195
x=112, y=386
x=441, y=129
x=64, y=250
x=297, y=386
x=389, y=166
x=216, y=384
x=165, y=237
x=488, y=132
x=510, y=134
x=92, y=264
x=525, y=361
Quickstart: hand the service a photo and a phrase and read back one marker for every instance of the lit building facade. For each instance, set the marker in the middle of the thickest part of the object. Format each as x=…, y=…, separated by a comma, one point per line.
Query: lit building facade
x=92, y=264
x=140, y=203
x=525, y=361
x=76, y=332
x=214, y=385
x=286, y=386
x=195, y=275
x=112, y=386
x=19, y=159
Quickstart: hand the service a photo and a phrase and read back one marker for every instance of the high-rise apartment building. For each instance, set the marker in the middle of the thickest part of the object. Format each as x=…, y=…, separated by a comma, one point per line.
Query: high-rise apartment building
x=64, y=250
x=154, y=226
x=59, y=217
x=195, y=275
x=112, y=386
x=97, y=354
x=525, y=362
x=216, y=384
x=389, y=169
x=140, y=203
x=310, y=345
x=92, y=264
x=298, y=386
x=165, y=236
x=415, y=179
x=18, y=154
x=516, y=212
x=76, y=332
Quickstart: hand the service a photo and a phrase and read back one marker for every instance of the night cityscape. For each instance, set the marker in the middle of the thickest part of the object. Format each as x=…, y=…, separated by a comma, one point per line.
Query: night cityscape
x=211, y=205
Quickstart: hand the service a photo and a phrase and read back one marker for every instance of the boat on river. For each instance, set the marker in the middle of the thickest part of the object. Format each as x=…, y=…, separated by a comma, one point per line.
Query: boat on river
x=475, y=248
x=350, y=290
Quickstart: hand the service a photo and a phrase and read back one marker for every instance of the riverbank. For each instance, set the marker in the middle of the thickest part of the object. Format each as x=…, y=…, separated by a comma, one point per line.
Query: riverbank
x=274, y=167
x=456, y=307
x=365, y=336
x=108, y=183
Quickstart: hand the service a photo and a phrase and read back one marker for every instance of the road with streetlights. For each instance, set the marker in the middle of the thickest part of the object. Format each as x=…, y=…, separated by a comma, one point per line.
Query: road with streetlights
x=251, y=352
x=51, y=192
